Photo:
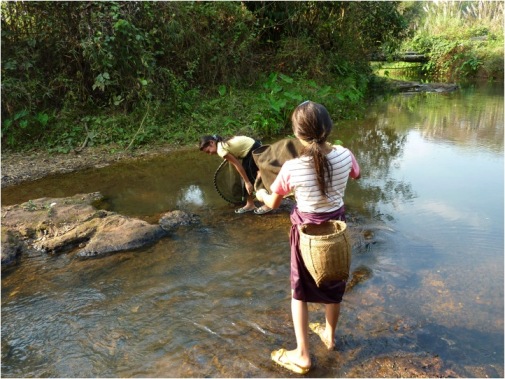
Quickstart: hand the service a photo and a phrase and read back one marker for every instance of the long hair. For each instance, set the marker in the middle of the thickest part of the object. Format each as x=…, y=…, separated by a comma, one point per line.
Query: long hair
x=312, y=123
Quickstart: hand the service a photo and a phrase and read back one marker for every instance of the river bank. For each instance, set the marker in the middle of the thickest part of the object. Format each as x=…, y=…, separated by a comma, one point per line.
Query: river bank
x=28, y=166
x=19, y=167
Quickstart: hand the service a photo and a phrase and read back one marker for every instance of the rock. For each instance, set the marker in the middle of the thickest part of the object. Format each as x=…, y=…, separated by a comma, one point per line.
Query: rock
x=34, y=222
x=12, y=247
x=405, y=86
x=170, y=221
x=120, y=233
x=74, y=224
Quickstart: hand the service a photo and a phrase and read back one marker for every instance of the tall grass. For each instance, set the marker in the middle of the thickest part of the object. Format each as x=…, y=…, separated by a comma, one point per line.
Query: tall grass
x=451, y=17
x=463, y=39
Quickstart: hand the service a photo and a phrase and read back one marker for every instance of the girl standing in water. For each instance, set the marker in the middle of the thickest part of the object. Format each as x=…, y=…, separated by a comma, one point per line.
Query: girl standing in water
x=233, y=149
x=318, y=179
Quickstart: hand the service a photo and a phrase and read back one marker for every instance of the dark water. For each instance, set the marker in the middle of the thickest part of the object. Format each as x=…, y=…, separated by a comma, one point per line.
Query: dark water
x=214, y=300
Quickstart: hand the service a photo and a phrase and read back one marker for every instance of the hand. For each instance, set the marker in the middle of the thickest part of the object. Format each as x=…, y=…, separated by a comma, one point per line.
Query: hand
x=249, y=187
x=260, y=193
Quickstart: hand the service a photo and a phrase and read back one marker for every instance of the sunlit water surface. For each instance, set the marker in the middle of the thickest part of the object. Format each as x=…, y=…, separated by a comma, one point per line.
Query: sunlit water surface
x=214, y=299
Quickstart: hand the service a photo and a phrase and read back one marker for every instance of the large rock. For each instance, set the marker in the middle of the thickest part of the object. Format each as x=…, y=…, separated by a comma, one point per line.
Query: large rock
x=58, y=225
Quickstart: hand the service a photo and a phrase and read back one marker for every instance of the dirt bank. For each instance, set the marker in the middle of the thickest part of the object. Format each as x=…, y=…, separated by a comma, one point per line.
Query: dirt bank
x=20, y=167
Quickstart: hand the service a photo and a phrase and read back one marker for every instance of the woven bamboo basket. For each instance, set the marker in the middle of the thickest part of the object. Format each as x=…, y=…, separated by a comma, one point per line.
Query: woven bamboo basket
x=326, y=250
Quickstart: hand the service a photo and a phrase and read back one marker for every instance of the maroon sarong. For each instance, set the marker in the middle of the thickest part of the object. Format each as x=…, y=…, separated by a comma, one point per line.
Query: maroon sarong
x=303, y=285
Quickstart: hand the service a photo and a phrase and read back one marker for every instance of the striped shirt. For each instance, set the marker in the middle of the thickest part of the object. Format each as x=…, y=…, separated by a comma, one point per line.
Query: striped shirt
x=299, y=176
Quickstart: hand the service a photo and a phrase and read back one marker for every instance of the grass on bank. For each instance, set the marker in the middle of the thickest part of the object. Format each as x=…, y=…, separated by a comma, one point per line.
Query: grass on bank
x=463, y=40
x=261, y=111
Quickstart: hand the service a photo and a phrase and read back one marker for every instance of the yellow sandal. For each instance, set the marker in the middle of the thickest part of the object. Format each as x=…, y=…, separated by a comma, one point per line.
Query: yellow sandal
x=281, y=358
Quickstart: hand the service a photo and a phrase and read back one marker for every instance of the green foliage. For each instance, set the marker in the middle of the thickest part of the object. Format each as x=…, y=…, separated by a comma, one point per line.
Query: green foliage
x=22, y=125
x=277, y=101
x=306, y=38
x=462, y=39
x=469, y=67
x=266, y=109
x=279, y=94
x=77, y=73
x=30, y=206
x=397, y=70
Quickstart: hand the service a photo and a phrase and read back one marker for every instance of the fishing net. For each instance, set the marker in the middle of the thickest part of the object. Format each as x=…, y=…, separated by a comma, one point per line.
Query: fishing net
x=270, y=158
x=228, y=183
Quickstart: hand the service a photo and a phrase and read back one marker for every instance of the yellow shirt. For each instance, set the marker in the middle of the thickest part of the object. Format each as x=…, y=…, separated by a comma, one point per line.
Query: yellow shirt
x=237, y=146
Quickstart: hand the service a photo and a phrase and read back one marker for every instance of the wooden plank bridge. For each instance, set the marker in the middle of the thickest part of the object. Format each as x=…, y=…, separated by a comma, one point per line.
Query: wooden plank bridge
x=409, y=56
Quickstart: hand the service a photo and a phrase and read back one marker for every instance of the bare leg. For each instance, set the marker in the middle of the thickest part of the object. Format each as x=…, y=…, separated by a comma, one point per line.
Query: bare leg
x=300, y=316
x=326, y=331
x=264, y=207
x=332, y=311
x=250, y=202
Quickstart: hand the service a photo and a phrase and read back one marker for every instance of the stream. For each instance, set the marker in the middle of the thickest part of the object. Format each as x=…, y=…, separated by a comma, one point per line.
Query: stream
x=426, y=293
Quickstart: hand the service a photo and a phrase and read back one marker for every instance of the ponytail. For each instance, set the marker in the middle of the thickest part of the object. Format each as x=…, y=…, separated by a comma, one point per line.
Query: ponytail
x=321, y=165
x=312, y=123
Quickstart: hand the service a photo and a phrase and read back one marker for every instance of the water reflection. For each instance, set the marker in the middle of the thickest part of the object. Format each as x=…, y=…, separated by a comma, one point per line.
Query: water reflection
x=429, y=124
x=378, y=147
x=451, y=118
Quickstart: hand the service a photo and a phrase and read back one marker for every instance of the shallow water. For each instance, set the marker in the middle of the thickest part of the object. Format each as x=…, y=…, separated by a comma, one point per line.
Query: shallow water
x=213, y=300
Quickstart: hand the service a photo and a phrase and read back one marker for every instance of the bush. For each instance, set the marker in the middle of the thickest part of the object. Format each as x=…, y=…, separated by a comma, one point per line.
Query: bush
x=89, y=71
x=462, y=39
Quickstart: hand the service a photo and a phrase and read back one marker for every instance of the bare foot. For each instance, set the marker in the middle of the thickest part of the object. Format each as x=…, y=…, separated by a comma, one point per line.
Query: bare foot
x=320, y=330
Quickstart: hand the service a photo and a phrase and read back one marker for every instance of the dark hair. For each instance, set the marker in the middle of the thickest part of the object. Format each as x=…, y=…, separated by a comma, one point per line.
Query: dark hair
x=312, y=123
x=205, y=140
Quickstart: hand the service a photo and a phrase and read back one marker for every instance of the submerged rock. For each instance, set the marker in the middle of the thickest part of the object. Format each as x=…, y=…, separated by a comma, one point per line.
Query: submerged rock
x=409, y=87
x=171, y=221
x=117, y=233
x=74, y=224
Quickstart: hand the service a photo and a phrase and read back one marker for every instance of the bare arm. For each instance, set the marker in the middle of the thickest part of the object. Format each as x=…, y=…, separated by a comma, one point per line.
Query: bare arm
x=355, y=170
x=238, y=166
x=272, y=200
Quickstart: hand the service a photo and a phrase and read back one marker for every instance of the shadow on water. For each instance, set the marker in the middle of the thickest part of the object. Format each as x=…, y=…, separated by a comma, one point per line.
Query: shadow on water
x=212, y=300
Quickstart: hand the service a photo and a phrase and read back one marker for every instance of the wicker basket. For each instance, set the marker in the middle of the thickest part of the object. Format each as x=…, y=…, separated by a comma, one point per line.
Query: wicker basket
x=326, y=250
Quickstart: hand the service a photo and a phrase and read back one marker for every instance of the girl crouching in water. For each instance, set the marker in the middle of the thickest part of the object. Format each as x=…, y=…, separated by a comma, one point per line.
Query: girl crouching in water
x=318, y=179
x=233, y=149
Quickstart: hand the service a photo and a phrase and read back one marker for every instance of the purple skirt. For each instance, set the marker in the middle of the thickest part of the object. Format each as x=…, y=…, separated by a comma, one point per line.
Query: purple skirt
x=303, y=286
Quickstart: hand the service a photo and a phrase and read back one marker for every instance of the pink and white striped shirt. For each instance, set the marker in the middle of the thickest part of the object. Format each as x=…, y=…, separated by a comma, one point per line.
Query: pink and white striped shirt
x=299, y=176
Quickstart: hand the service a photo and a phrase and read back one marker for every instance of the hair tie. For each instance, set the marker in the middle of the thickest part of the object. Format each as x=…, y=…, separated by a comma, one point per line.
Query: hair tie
x=214, y=137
